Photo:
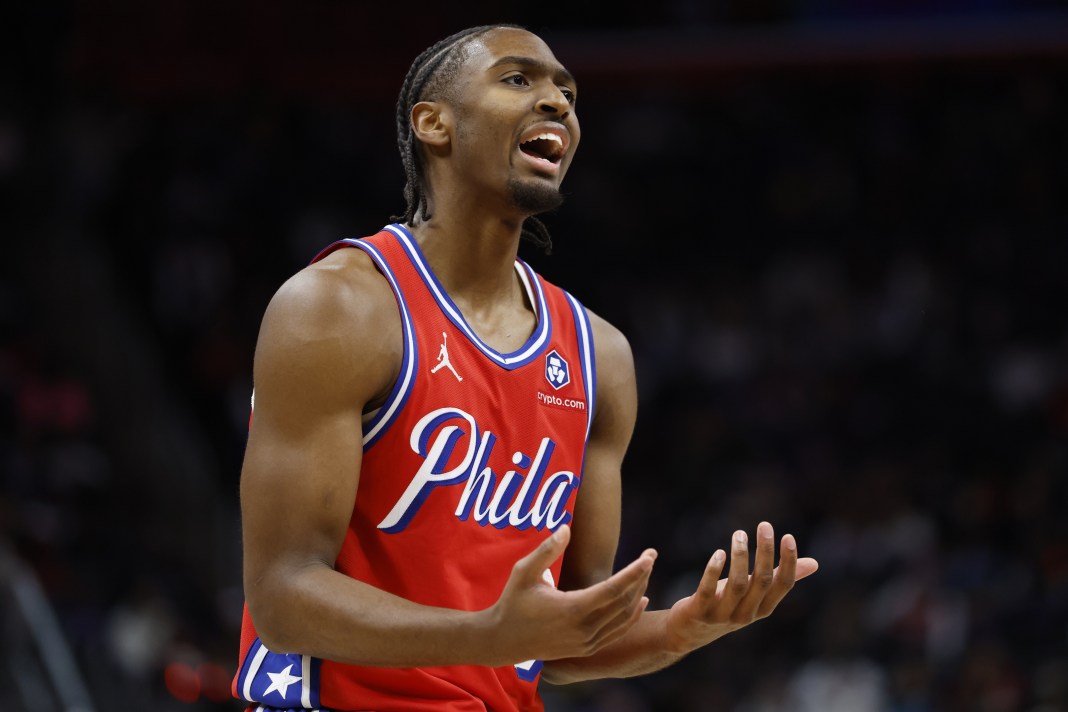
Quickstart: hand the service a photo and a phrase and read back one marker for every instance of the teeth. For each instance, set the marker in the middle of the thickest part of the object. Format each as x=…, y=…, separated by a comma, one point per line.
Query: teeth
x=546, y=137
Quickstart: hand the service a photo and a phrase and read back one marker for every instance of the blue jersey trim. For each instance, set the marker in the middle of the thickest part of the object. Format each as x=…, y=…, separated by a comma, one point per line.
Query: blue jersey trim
x=587, y=357
x=292, y=678
x=529, y=674
x=526, y=353
x=402, y=388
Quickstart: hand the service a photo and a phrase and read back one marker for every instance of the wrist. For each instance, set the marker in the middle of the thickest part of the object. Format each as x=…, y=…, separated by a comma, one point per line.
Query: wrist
x=677, y=644
x=678, y=638
x=483, y=635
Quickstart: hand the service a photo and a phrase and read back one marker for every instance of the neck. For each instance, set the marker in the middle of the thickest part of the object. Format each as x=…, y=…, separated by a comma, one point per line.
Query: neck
x=472, y=253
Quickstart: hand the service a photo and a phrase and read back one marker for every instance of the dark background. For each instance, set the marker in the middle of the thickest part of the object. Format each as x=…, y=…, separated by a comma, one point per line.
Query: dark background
x=835, y=233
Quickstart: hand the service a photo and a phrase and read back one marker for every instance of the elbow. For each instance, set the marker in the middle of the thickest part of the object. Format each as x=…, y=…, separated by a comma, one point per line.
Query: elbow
x=273, y=614
x=275, y=640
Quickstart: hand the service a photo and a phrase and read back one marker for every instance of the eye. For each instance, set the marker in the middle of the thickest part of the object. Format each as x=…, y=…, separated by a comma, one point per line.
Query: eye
x=568, y=94
x=517, y=79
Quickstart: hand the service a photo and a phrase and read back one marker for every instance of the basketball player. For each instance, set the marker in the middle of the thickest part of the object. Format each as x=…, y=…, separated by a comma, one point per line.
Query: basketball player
x=431, y=490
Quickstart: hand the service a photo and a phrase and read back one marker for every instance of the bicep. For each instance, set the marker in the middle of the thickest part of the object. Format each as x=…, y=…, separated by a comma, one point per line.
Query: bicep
x=595, y=527
x=298, y=481
x=302, y=462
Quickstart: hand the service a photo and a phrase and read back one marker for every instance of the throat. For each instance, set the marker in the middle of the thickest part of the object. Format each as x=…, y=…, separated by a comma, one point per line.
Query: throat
x=505, y=335
x=504, y=326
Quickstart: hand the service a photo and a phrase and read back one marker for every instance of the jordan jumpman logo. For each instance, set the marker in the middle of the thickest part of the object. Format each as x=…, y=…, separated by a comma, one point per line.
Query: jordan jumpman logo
x=443, y=359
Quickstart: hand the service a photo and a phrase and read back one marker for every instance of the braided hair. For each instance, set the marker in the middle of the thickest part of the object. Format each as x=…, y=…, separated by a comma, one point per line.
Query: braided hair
x=431, y=76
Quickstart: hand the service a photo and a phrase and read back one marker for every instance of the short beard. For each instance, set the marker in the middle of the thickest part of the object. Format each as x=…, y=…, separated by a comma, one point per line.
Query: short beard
x=534, y=198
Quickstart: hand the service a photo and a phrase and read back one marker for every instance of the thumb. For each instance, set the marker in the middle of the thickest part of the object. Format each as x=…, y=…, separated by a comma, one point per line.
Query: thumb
x=533, y=564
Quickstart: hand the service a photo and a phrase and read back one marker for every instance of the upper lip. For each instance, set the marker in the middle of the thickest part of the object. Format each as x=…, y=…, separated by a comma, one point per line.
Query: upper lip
x=548, y=129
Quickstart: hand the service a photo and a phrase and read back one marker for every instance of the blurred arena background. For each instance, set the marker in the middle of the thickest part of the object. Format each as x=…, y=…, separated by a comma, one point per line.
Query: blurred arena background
x=835, y=231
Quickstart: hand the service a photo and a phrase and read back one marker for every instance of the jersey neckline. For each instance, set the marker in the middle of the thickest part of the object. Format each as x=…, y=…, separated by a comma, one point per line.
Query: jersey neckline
x=526, y=353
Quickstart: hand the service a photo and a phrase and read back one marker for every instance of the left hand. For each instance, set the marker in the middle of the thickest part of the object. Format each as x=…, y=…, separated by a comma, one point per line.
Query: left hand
x=719, y=607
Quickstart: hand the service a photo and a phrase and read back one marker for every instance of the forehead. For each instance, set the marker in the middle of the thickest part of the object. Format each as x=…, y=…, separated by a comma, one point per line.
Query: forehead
x=489, y=49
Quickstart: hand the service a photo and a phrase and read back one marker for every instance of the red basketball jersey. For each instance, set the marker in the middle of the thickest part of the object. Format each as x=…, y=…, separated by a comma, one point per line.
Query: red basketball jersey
x=473, y=460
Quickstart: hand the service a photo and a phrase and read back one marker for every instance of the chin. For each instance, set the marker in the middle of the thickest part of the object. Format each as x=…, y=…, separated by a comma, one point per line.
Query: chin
x=534, y=196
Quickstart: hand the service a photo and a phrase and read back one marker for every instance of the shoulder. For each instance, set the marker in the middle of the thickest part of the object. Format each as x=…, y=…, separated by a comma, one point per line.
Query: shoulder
x=345, y=283
x=616, y=386
x=333, y=319
x=612, y=349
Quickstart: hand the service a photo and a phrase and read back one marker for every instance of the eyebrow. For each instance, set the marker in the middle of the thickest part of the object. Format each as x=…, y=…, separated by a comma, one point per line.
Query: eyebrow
x=558, y=71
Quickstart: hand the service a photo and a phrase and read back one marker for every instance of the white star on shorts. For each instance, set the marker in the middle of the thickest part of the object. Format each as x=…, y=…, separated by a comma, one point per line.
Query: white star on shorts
x=280, y=681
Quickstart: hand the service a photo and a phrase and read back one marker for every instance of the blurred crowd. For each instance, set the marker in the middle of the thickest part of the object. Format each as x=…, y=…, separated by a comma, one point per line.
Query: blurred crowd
x=844, y=287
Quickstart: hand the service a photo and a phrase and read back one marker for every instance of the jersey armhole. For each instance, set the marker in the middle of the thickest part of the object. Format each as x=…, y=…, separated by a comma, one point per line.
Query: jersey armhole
x=587, y=356
x=383, y=417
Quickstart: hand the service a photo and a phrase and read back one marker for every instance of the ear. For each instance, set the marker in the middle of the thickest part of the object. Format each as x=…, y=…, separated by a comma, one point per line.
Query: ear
x=432, y=124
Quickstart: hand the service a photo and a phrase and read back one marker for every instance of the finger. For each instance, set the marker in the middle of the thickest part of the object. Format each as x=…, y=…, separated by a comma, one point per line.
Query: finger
x=531, y=566
x=738, y=577
x=617, y=628
x=608, y=605
x=806, y=567
x=710, y=585
x=619, y=590
x=785, y=576
x=763, y=574
x=602, y=611
x=616, y=613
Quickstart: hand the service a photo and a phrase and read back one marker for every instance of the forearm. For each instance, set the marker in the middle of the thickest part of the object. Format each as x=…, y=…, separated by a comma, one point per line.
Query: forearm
x=645, y=648
x=320, y=612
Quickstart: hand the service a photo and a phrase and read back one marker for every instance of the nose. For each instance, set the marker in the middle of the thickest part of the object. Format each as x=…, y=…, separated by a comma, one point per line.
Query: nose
x=554, y=103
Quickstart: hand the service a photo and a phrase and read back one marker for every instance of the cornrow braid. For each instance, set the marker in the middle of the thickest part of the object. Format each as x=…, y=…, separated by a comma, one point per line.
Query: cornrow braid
x=432, y=72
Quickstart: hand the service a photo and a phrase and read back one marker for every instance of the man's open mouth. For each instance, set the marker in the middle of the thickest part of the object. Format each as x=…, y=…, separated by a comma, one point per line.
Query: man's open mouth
x=545, y=145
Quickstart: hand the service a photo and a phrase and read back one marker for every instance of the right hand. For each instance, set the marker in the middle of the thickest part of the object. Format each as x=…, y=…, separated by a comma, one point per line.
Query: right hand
x=534, y=620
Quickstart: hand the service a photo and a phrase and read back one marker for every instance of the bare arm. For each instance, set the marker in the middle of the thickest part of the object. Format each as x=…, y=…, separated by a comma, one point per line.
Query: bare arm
x=716, y=608
x=329, y=345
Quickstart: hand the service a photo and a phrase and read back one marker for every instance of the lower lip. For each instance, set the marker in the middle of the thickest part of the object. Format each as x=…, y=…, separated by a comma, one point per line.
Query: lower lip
x=540, y=164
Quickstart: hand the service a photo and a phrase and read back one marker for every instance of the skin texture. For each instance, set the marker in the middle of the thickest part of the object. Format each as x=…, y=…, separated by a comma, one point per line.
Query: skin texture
x=317, y=371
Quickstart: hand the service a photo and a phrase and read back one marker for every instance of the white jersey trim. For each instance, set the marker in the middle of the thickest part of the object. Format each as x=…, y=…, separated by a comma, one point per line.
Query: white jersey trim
x=587, y=357
x=387, y=413
x=526, y=353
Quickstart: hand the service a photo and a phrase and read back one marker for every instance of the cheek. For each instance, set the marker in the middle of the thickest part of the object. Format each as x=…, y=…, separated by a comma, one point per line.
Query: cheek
x=572, y=150
x=481, y=143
